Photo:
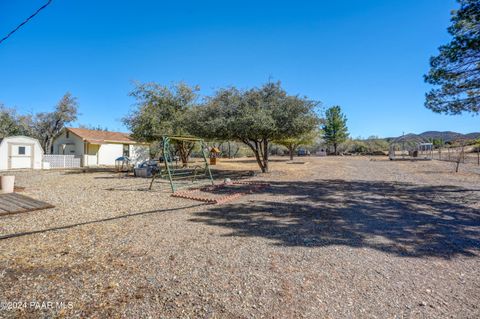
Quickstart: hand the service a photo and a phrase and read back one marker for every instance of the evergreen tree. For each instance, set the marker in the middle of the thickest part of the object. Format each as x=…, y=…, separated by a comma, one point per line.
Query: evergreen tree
x=455, y=71
x=335, y=129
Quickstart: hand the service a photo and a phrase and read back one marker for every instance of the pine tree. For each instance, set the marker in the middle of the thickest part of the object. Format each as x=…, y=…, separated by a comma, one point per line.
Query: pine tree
x=335, y=129
x=456, y=70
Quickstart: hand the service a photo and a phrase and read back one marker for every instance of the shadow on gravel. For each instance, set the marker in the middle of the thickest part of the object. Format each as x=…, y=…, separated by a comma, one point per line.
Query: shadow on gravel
x=396, y=218
x=97, y=221
x=217, y=174
x=252, y=160
x=89, y=170
x=162, y=184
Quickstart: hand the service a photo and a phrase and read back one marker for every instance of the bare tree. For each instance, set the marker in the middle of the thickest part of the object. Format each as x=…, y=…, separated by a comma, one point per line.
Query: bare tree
x=47, y=125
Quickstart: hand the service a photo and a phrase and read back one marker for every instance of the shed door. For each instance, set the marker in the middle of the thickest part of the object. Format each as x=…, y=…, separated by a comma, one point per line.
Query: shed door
x=20, y=156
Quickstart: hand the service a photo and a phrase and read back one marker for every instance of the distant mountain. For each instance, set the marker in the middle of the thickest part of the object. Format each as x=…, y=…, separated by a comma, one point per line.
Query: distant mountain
x=473, y=136
x=446, y=136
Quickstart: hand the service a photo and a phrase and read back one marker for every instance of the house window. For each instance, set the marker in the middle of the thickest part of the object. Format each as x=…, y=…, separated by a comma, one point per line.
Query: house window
x=126, y=150
x=21, y=150
x=68, y=134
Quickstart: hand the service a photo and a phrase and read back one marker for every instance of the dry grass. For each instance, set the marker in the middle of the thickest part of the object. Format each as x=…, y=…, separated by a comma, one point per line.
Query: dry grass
x=335, y=237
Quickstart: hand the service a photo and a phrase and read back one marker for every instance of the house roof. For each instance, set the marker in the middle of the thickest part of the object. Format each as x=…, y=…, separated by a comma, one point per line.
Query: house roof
x=102, y=137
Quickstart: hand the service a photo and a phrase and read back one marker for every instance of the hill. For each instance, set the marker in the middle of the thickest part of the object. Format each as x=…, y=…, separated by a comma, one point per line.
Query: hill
x=446, y=136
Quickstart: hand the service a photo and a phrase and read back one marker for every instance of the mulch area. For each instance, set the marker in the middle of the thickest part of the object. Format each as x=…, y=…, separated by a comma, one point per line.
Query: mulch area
x=333, y=238
x=221, y=193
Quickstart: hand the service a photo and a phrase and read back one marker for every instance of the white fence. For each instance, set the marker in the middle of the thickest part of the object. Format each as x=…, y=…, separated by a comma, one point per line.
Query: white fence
x=62, y=161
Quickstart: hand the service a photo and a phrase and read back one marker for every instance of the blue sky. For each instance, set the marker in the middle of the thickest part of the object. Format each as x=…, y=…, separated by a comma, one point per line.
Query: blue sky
x=368, y=56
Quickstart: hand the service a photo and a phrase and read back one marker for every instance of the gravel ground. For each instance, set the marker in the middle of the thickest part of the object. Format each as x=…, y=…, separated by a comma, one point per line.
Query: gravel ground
x=333, y=237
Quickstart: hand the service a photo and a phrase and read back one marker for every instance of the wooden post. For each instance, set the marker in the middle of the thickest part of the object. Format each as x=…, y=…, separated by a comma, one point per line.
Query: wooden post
x=478, y=155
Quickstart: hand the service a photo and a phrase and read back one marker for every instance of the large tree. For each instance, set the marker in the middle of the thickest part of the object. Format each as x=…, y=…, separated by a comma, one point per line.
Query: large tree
x=334, y=128
x=47, y=125
x=456, y=69
x=255, y=117
x=163, y=110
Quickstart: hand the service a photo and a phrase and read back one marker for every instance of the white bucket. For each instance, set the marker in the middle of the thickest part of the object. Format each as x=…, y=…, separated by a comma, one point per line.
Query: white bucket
x=7, y=183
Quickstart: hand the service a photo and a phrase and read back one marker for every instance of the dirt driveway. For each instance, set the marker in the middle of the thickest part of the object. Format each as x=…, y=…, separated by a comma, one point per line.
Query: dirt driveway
x=333, y=237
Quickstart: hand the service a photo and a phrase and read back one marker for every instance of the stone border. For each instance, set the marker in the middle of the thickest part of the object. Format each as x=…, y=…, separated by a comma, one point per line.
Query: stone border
x=195, y=194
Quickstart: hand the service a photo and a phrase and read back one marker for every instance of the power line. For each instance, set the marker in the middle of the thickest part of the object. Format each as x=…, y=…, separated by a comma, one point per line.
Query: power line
x=26, y=20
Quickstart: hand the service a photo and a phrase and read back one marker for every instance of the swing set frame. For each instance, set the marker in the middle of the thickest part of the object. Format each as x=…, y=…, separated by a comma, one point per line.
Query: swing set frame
x=174, y=172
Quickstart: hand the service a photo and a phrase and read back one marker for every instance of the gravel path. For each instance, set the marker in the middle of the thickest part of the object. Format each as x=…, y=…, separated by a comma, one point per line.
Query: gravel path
x=334, y=237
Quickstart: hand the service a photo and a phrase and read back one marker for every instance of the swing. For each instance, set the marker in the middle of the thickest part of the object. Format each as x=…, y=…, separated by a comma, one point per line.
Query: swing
x=183, y=174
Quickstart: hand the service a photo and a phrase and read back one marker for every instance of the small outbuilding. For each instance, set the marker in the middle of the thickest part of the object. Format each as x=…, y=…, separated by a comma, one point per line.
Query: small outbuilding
x=18, y=152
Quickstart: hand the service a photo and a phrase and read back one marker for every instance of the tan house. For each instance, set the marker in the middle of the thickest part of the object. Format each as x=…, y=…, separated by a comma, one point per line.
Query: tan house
x=96, y=148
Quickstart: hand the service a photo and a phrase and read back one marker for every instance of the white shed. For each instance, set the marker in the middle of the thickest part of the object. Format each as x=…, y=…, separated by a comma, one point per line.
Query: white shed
x=18, y=152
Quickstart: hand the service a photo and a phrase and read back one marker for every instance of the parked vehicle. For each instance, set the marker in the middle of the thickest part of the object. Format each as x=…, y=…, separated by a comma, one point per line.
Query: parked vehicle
x=303, y=152
x=174, y=159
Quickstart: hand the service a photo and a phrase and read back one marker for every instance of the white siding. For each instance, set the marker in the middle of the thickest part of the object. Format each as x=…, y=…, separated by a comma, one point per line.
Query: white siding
x=109, y=153
x=74, y=145
x=9, y=153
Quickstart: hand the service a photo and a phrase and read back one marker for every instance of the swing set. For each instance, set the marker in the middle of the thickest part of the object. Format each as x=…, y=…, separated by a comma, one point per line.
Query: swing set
x=183, y=174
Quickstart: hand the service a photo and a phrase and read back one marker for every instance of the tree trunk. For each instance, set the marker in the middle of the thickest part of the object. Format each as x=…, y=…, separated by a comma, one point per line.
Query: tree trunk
x=184, y=159
x=290, y=149
x=43, y=143
x=335, y=148
x=265, y=156
x=256, y=147
x=184, y=149
x=48, y=146
x=259, y=161
x=183, y=155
